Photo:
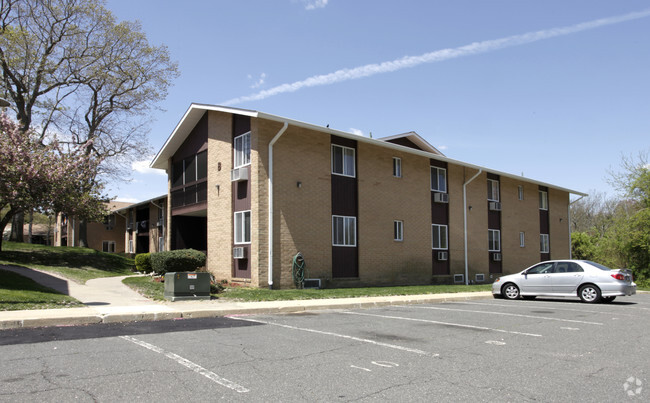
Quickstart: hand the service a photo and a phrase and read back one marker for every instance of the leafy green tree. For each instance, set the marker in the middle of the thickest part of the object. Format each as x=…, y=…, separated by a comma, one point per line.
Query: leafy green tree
x=68, y=67
x=582, y=246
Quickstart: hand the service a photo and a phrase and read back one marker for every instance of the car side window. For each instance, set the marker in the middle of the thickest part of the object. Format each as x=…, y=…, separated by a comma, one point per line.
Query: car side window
x=544, y=268
x=574, y=268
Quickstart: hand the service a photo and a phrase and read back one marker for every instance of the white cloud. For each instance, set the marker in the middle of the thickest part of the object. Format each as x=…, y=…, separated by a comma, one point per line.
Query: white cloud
x=442, y=148
x=142, y=167
x=260, y=81
x=356, y=131
x=434, y=57
x=314, y=4
x=127, y=199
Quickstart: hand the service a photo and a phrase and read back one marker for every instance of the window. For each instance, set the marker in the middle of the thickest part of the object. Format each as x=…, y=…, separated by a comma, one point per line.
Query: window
x=544, y=246
x=439, y=236
x=494, y=240
x=522, y=239
x=161, y=243
x=243, y=227
x=108, y=246
x=343, y=160
x=542, y=268
x=439, y=179
x=242, y=150
x=493, y=190
x=397, y=167
x=344, y=231
x=398, y=230
x=543, y=200
x=109, y=222
x=130, y=245
x=520, y=192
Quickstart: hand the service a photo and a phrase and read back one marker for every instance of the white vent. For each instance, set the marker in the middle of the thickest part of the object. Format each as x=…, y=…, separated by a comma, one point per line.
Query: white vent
x=441, y=197
x=495, y=206
x=239, y=174
x=459, y=278
x=480, y=277
x=238, y=252
x=442, y=256
x=496, y=257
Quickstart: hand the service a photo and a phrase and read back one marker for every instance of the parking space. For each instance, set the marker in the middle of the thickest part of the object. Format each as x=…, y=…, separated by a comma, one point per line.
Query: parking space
x=492, y=350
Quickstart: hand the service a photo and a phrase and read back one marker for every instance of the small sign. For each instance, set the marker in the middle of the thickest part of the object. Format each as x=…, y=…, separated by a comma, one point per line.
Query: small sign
x=191, y=276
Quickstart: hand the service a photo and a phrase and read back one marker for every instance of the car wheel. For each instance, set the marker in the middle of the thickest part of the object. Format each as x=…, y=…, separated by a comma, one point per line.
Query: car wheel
x=589, y=293
x=528, y=297
x=510, y=291
x=607, y=300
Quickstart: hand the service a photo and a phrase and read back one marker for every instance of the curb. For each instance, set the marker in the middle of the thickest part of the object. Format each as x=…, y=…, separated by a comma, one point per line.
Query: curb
x=283, y=307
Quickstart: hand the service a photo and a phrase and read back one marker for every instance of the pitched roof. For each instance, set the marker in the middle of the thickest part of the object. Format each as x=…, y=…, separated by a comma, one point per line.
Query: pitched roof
x=196, y=111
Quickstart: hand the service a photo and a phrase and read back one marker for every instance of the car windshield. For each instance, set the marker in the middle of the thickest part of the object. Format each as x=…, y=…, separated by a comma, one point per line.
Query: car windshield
x=598, y=265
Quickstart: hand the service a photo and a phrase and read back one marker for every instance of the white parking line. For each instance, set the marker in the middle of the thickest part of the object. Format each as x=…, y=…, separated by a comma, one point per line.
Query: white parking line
x=444, y=323
x=527, y=304
x=510, y=314
x=189, y=364
x=343, y=336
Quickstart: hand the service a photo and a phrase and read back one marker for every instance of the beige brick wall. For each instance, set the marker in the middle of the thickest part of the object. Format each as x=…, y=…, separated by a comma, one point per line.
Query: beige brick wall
x=220, y=216
x=383, y=199
x=519, y=216
x=302, y=216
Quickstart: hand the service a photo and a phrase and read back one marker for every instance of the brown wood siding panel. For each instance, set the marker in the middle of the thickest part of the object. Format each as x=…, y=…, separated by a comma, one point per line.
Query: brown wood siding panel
x=440, y=267
x=543, y=222
x=404, y=142
x=344, y=196
x=440, y=215
x=240, y=125
x=196, y=142
x=439, y=212
x=494, y=219
x=241, y=193
x=345, y=262
x=495, y=267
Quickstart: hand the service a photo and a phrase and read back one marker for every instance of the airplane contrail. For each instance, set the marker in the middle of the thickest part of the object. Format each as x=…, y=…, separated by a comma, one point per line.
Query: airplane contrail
x=436, y=56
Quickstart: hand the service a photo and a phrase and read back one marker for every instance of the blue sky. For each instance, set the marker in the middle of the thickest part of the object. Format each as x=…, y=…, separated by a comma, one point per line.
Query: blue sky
x=556, y=90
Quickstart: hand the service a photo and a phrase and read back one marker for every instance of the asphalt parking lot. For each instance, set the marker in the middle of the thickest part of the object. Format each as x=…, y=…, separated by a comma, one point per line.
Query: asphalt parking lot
x=486, y=350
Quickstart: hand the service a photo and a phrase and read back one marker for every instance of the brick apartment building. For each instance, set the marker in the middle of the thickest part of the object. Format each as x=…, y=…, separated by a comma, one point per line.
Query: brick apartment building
x=361, y=211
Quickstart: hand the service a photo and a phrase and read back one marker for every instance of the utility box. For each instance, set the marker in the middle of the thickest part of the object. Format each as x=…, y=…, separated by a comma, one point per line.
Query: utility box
x=186, y=286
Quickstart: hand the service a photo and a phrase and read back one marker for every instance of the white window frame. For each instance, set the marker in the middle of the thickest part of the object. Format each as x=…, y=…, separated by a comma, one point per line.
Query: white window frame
x=346, y=154
x=242, y=150
x=543, y=200
x=131, y=246
x=397, y=167
x=398, y=230
x=520, y=192
x=522, y=239
x=443, y=241
x=161, y=243
x=544, y=243
x=347, y=236
x=494, y=240
x=493, y=190
x=240, y=225
x=107, y=246
x=436, y=173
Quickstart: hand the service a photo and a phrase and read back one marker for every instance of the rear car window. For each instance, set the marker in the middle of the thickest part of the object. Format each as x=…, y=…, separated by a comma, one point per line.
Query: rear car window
x=598, y=265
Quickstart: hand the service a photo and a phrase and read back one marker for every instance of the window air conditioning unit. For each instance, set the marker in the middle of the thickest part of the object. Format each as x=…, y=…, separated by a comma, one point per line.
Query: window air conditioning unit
x=238, y=252
x=441, y=198
x=496, y=257
x=442, y=256
x=239, y=174
x=495, y=206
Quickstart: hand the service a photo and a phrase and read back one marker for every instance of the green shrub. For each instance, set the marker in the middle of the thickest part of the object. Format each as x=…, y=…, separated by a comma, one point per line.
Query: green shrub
x=143, y=262
x=177, y=260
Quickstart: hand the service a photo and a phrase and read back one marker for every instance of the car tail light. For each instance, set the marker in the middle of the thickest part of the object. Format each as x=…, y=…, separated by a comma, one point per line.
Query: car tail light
x=618, y=276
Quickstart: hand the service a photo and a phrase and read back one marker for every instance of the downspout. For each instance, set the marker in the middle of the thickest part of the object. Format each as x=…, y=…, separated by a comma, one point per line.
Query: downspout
x=465, y=222
x=270, y=185
x=569, y=219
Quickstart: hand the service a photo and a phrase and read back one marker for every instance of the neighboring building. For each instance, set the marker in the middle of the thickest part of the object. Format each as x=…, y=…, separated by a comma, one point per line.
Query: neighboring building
x=361, y=211
x=128, y=228
x=41, y=233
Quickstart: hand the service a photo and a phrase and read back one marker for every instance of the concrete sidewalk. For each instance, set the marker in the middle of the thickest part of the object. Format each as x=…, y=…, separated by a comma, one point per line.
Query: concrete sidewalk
x=108, y=300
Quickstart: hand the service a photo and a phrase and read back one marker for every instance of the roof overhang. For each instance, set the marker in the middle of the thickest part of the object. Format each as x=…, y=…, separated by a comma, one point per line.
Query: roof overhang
x=196, y=111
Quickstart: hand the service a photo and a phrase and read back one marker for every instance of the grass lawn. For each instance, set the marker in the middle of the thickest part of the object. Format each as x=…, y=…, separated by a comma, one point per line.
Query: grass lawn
x=18, y=293
x=151, y=289
x=78, y=264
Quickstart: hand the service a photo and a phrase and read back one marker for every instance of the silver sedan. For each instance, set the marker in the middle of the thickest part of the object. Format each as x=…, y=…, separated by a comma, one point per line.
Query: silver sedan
x=590, y=281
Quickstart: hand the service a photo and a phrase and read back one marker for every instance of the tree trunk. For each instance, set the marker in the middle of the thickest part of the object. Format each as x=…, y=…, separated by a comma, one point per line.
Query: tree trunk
x=30, y=227
x=83, y=233
x=17, y=234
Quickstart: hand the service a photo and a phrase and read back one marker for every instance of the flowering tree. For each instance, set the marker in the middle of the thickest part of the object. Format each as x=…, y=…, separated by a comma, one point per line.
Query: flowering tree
x=34, y=175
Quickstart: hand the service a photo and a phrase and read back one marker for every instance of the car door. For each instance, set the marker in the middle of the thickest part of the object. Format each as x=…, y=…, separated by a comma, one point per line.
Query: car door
x=567, y=277
x=537, y=279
